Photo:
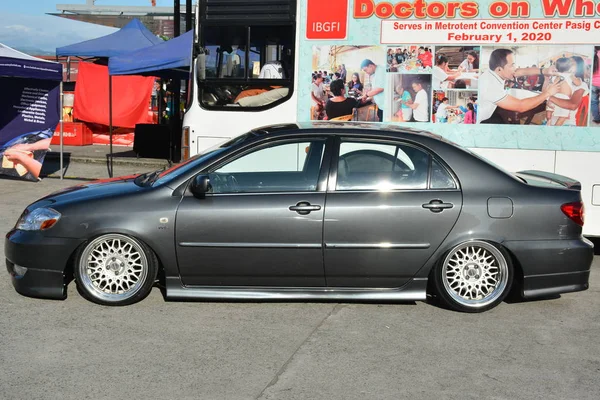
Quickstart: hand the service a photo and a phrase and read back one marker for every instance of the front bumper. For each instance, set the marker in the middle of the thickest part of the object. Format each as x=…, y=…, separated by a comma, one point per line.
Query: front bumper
x=45, y=259
x=552, y=267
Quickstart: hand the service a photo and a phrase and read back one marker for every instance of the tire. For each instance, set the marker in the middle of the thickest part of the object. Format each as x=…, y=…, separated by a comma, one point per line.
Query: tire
x=115, y=270
x=474, y=276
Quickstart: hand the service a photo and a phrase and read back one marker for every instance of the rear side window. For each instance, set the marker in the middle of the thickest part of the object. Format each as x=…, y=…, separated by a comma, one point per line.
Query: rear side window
x=374, y=166
x=440, y=177
x=379, y=166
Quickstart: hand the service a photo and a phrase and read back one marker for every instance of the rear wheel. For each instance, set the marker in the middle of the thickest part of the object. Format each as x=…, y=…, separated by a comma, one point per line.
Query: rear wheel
x=474, y=276
x=115, y=270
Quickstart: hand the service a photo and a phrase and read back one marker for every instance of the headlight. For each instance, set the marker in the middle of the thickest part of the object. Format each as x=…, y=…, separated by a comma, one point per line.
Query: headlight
x=38, y=219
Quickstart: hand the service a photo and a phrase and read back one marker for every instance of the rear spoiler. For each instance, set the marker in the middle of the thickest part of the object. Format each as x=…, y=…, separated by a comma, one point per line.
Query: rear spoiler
x=565, y=181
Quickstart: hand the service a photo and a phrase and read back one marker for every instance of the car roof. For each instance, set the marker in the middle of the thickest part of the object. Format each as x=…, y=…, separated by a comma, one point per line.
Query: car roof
x=344, y=127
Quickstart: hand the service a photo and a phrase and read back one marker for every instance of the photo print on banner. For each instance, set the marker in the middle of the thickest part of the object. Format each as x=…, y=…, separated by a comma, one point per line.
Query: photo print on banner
x=456, y=67
x=595, y=94
x=411, y=97
x=348, y=83
x=528, y=76
x=454, y=107
x=410, y=59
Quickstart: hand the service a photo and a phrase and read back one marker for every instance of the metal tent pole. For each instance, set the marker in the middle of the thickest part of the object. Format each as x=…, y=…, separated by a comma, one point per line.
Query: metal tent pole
x=175, y=122
x=62, y=172
x=110, y=126
x=176, y=18
x=188, y=15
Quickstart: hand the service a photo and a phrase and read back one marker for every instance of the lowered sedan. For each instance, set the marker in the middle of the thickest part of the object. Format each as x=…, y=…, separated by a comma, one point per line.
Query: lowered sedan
x=322, y=211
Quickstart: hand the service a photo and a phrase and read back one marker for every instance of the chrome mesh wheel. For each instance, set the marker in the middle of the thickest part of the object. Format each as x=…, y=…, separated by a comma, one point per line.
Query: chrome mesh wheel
x=475, y=274
x=113, y=267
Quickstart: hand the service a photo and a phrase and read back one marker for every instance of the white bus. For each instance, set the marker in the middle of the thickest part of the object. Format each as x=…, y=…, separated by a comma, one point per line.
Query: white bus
x=515, y=81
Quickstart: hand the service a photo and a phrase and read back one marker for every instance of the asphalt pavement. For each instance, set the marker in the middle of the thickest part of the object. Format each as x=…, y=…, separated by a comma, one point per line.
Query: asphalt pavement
x=74, y=349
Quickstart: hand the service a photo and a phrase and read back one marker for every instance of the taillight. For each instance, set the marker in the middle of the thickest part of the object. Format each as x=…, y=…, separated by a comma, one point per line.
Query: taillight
x=574, y=211
x=185, y=143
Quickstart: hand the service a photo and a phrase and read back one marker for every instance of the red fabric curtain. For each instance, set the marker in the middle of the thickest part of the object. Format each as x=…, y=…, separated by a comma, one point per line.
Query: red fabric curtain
x=130, y=97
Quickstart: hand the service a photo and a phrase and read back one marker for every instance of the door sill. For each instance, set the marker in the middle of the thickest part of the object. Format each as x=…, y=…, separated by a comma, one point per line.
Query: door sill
x=413, y=290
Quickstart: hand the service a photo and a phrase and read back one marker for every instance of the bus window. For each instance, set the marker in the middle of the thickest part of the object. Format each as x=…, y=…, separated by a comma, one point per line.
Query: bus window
x=226, y=45
x=247, y=67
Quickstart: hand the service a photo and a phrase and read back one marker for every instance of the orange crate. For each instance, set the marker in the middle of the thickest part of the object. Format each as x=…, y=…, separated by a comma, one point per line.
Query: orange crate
x=74, y=134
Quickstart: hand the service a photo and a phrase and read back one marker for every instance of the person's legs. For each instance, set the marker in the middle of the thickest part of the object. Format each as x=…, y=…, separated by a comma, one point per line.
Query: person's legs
x=549, y=115
x=380, y=114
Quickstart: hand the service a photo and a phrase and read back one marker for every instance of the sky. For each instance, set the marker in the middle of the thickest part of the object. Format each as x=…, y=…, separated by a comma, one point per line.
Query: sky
x=23, y=23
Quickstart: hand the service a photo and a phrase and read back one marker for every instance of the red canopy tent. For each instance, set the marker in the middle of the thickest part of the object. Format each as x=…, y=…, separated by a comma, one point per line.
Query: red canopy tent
x=131, y=37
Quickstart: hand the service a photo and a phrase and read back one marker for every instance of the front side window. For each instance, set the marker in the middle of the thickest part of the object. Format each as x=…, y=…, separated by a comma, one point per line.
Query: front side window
x=287, y=167
x=374, y=166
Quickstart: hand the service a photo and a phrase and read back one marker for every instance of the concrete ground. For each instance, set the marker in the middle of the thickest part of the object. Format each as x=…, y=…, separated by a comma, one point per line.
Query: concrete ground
x=74, y=349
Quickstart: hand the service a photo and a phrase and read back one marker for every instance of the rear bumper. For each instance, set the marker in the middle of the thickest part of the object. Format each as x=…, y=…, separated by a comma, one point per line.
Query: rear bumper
x=552, y=267
x=550, y=285
x=37, y=263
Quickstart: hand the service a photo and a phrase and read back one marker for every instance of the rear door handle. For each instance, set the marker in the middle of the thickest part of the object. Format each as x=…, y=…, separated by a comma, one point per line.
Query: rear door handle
x=437, y=206
x=304, y=207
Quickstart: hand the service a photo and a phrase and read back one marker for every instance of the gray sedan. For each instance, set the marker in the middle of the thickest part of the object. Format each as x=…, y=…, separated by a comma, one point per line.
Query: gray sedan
x=321, y=211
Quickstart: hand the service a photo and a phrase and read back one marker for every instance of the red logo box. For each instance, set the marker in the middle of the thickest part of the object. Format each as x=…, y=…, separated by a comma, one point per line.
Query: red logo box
x=327, y=19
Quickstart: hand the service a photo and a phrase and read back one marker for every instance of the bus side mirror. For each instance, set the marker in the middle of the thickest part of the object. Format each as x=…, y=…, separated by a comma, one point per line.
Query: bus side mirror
x=201, y=67
x=200, y=186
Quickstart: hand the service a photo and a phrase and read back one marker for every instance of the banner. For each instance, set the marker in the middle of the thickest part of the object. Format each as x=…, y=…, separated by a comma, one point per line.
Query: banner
x=130, y=97
x=497, y=74
x=30, y=112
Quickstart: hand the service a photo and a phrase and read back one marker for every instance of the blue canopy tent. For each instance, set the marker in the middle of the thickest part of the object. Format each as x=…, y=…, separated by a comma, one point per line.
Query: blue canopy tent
x=31, y=109
x=170, y=59
x=133, y=36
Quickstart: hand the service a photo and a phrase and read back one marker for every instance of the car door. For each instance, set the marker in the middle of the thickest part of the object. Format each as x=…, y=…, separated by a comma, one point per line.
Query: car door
x=389, y=207
x=261, y=224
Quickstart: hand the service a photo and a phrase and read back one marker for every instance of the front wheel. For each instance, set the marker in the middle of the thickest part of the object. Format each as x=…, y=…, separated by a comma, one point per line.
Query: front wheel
x=115, y=270
x=474, y=276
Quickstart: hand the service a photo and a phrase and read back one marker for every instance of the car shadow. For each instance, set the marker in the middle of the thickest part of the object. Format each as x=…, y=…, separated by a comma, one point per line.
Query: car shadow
x=517, y=300
x=596, y=242
x=512, y=298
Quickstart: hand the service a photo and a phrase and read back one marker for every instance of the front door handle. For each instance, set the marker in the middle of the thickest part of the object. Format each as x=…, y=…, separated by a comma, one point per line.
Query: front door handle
x=437, y=206
x=304, y=207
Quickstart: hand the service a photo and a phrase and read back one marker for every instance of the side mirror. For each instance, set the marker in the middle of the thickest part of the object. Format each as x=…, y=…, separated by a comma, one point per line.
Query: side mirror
x=200, y=186
x=201, y=67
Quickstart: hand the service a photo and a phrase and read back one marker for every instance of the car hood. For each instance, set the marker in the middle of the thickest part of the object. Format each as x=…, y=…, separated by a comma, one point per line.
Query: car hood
x=93, y=190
